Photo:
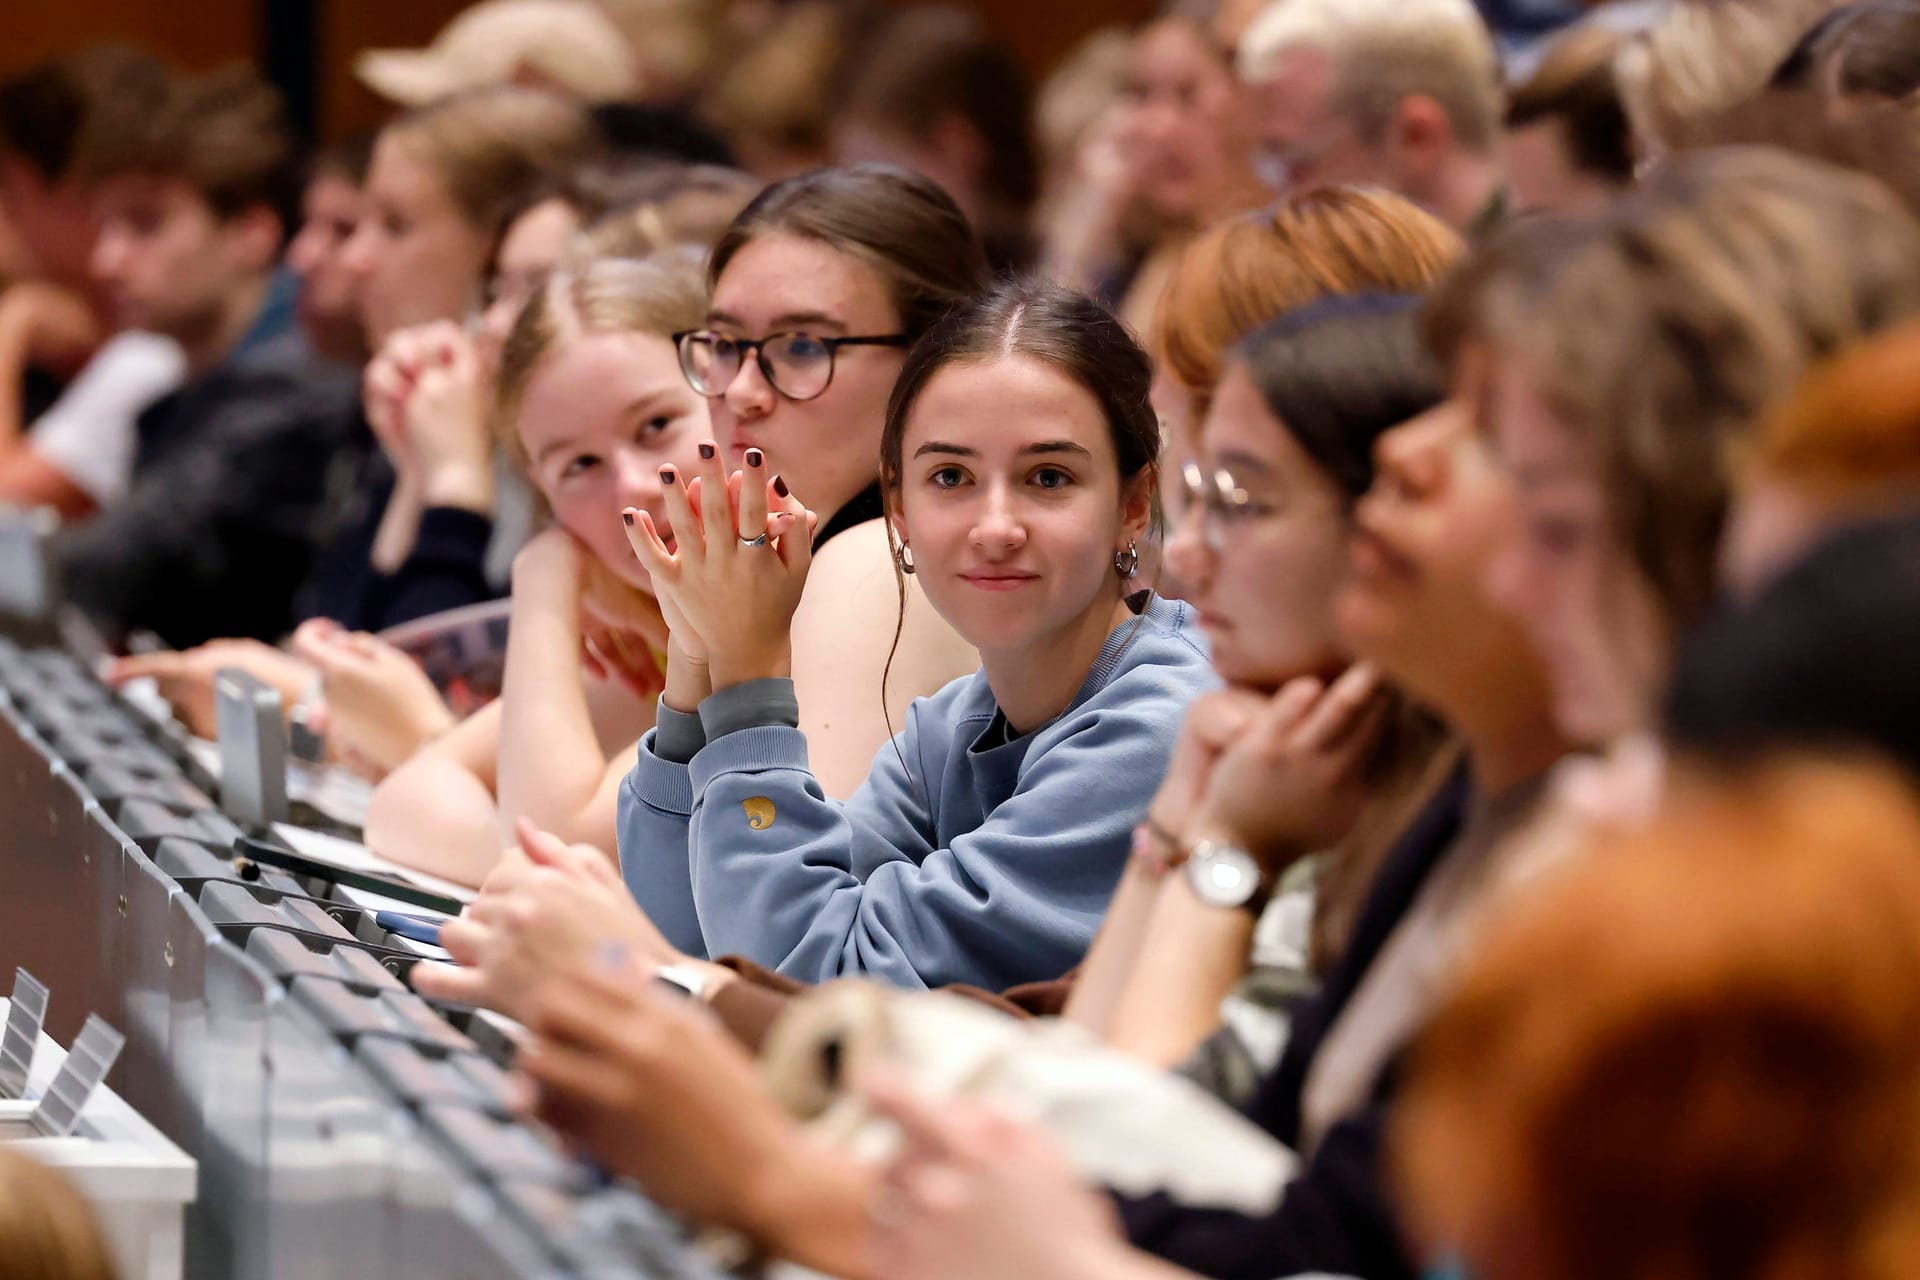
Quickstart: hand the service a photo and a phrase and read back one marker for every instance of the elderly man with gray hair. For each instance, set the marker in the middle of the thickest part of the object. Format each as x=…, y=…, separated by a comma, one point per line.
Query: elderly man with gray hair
x=1401, y=94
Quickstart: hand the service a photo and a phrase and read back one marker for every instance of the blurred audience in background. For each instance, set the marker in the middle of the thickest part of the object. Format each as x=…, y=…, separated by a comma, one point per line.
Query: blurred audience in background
x=1530, y=890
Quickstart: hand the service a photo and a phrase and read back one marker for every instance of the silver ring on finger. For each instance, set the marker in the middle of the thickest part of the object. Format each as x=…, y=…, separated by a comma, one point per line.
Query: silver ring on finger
x=760, y=541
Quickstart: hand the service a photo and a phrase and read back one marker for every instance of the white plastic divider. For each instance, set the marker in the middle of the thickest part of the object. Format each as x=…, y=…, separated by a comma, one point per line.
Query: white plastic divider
x=138, y=1182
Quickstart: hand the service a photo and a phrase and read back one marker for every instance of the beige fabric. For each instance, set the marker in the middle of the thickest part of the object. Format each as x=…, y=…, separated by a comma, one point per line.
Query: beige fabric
x=569, y=45
x=1123, y=1123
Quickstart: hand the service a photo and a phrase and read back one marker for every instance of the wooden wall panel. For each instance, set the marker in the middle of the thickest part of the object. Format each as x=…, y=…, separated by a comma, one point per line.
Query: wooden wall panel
x=347, y=27
x=1044, y=30
x=194, y=33
x=204, y=33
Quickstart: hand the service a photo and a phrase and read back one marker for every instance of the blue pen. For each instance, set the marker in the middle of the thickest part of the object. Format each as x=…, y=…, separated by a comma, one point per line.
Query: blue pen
x=419, y=928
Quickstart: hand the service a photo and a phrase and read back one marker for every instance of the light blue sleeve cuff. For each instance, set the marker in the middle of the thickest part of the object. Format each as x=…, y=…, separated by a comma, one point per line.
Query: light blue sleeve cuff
x=678, y=735
x=661, y=783
x=750, y=705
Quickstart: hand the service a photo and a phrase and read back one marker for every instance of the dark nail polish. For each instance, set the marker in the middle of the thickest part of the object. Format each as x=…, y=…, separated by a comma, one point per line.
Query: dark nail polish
x=627, y=516
x=667, y=475
x=707, y=451
x=755, y=457
x=780, y=487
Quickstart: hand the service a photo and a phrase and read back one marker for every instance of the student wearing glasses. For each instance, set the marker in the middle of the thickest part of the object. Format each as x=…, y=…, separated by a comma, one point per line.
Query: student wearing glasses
x=1018, y=462
x=818, y=288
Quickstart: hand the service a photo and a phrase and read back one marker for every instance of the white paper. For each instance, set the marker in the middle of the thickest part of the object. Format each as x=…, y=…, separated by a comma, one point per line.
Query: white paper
x=349, y=855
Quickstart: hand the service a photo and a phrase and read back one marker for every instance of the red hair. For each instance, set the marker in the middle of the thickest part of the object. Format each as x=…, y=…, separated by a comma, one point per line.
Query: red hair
x=1694, y=1056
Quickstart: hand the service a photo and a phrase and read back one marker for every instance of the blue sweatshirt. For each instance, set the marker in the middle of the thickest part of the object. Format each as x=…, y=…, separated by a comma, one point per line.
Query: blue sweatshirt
x=987, y=862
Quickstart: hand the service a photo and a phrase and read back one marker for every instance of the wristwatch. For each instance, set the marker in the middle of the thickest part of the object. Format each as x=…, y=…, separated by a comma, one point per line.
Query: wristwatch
x=1224, y=876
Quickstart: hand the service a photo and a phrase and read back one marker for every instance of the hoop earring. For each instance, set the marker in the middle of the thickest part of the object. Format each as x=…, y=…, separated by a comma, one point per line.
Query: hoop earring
x=1127, y=563
x=903, y=558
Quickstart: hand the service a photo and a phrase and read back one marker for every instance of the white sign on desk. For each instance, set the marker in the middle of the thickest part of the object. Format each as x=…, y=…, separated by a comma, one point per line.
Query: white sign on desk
x=24, y=1017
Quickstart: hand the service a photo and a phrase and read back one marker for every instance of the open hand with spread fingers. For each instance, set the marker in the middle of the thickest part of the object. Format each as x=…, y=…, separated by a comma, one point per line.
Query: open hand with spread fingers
x=738, y=560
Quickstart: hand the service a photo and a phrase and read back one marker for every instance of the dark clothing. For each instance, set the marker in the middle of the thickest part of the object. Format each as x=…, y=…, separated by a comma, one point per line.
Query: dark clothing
x=445, y=570
x=39, y=391
x=1336, y=1216
x=862, y=507
x=217, y=532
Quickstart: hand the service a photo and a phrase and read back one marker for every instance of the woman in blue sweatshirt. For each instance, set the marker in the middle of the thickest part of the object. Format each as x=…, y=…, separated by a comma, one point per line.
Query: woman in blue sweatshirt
x=1018, y=460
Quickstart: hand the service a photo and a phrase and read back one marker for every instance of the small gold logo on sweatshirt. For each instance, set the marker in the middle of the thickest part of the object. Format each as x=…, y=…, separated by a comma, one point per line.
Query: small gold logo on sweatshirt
x=760, y=812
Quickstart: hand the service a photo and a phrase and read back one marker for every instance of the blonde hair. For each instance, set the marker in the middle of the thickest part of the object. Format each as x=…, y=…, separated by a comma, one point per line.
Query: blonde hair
x=1694, y=1053
x=1384, y=51
x=694, y=206
x=1078, y=92
x=658, y=298
x=1706, y=56
x=1659, y=332
x=48, y=1231
x=493, y=147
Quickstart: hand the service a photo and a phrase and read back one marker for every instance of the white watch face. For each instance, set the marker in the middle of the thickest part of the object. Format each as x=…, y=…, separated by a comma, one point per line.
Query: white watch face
x=1224, y=877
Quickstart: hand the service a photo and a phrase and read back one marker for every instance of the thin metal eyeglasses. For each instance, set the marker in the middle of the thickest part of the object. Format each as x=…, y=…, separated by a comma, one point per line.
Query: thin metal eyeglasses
x=1217, y=500
x=796, y=364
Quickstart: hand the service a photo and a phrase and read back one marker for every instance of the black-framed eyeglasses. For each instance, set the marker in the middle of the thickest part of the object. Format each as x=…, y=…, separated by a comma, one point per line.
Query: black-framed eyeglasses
x=799, y=365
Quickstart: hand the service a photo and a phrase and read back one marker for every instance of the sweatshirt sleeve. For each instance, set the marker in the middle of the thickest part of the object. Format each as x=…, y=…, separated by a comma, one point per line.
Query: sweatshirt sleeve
x=819, y=890
x=653, y=809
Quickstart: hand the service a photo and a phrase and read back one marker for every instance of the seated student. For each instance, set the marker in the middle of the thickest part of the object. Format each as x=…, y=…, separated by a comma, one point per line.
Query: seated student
x=1286, y=450
x=817, y=288
x=1018, y=462
x=71, y=446
x=331, y=209
x=214, y=536
x=1617, y=434
x=446, y=181
x=1692, y=1055
x=591, y=392
x=1569, y=148
x=442, y=184
x=374, y=705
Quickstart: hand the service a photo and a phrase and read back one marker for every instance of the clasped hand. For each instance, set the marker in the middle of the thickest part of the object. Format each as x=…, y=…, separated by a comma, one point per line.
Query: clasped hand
x=730, y=569
x=426, y=399
x=1280, y=776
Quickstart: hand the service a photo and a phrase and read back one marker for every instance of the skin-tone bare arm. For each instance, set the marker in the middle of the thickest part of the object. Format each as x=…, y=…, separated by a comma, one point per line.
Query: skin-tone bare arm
x=1104, y=977
x=842, y=633
x=439, y=812
x=554, y=761
x=436, y=812
x=1191, y=957
x=1121, y=946
x=29, y=480
x=1287, y=781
